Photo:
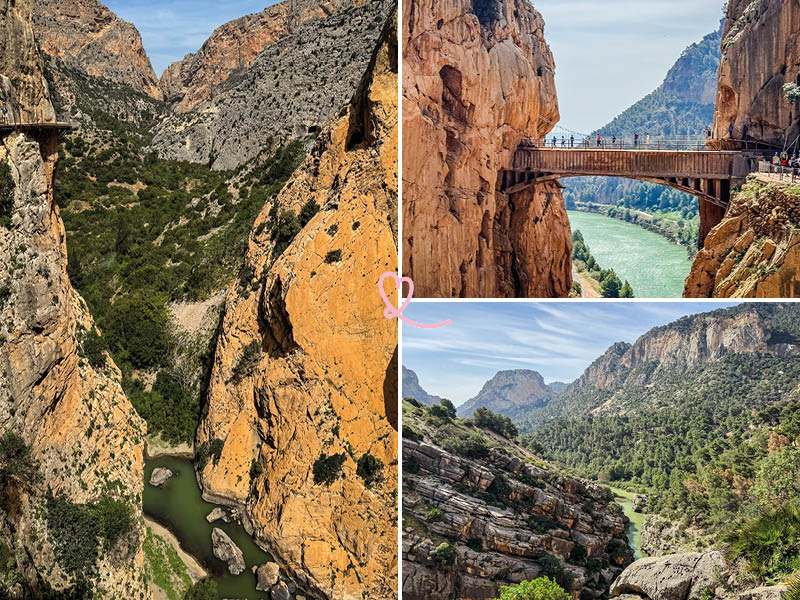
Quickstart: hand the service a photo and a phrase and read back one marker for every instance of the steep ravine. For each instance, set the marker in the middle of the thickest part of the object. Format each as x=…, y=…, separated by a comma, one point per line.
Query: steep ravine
x=477, y=82
x=305, y=365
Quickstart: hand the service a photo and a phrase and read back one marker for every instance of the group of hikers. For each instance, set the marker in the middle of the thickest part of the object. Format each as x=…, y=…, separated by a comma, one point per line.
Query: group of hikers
x=601, y=142
x=784, y=160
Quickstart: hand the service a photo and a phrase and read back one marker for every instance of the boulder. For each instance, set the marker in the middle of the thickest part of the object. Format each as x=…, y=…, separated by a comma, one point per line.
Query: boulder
x=217, y=514
x=280, y=592
x=639, y=503
x=687, y=576
x=267, y=575
x=775, y=592
x=226, y=550
x=159, y=476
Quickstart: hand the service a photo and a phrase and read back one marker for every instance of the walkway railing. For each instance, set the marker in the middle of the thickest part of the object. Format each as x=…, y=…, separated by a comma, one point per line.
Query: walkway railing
x=784, y=173
x=686, y=144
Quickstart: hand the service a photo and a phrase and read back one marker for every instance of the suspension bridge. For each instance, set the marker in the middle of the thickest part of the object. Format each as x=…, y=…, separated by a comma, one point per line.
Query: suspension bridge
x=687, y=164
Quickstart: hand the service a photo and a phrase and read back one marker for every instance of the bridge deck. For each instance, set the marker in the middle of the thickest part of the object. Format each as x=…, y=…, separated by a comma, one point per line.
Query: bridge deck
x=11, y=127
x=632, y=163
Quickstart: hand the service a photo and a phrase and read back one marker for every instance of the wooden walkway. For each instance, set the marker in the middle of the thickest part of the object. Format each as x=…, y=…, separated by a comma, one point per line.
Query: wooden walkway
x=708, y=175
x=6, y=128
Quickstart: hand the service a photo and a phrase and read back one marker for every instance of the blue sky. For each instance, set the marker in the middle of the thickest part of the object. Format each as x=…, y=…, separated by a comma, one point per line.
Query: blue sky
x=172, y=28
x=611, y=53
x=558, y=339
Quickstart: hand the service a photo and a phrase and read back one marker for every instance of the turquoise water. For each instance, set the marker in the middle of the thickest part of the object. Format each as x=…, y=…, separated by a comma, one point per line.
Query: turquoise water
x=654, y=266
x=179, y=506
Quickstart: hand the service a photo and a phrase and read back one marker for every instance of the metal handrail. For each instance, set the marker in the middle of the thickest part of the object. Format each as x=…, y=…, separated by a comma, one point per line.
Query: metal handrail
x=688, y=143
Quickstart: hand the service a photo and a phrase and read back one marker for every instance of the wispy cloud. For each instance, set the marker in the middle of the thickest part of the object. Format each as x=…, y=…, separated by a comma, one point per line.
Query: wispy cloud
x=558, y=339
x=173, y=28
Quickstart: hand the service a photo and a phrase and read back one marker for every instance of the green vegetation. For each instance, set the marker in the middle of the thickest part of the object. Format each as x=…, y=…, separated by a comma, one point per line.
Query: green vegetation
x=370, y=469
x=328, y=469
x=247, y=361
x=205, y=589
x=444, y=554
x=211, y=450
x=471, y=445
x=501, y=425
x=6, y=194
x=18, y=469
x=542, y=588
x=610, y=284
x=164, y=567
x=769, y=542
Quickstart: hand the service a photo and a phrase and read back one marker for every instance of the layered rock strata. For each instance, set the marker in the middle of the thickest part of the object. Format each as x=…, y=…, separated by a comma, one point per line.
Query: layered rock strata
x=478, y=79
x=304, y=375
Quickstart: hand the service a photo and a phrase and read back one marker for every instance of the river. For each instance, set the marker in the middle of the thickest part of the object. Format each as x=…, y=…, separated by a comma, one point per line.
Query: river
x=634, y=530
x=654, y=266
x=179, y=506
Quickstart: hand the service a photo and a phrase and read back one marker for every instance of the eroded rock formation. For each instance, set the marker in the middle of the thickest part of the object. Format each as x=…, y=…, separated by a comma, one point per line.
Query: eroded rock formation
x=71, y=412
x=760, y=53
x=305, y=365
x=509, y=391
x=85, y=35
x=755, y=251
x=478, y=79
x=509, y=517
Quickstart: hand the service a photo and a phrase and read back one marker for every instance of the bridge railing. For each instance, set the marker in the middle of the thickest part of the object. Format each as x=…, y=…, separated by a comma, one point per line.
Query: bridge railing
x=783, y=173
x=686, y=144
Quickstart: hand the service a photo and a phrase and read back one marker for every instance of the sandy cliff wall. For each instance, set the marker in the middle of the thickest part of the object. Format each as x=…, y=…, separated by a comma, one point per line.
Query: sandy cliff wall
x=478, y=78
x=760, y=54
x=321, y=377
x=81, y=428
x=85, y=35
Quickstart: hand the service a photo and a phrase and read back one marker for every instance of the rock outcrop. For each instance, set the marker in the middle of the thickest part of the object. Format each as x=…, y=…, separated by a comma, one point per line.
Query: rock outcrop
x=760, y=54
x=227, y=551
x=70, y=410
x=267, y=576
x=689, y=576
x=85, y=35
x=755, y=251
x=508, y=516
x=304, y=375
x=233, y=47
x=478, y=79
x=160, y=476
x=291, y=89
x=508, y=392
x=412, y=389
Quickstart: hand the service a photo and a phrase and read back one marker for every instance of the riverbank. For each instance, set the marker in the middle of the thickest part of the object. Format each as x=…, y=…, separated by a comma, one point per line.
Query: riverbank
x=669, y=229
x=193, y=566
x=155, y=447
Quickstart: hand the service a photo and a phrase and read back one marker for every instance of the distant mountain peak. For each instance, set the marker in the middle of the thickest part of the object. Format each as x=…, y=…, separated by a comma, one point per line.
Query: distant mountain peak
x=412, y=388
x=509, y=392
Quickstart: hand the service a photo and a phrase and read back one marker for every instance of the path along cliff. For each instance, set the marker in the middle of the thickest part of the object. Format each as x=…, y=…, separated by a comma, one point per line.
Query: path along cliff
x=478, y=79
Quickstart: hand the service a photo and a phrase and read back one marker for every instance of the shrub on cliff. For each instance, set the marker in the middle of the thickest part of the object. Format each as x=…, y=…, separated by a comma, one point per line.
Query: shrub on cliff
x=443, y=554
x=205, y=589
x=370, y=469
x=17, y=466
x=501, y=425
x=247, y=362
x=539, y=589
x=94, y=347
x=472, y=446
x=328, y=469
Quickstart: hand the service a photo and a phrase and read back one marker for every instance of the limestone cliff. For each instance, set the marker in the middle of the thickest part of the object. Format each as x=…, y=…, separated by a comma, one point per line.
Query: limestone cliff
x=291, y=89
x=304, y=377
x=760, y=54
x=80, y=427
x=508, y=392
x=233, y=47
x=755, y=251
x=412, y=389
x=478, y=79
x=508, y=515
x=85, y=35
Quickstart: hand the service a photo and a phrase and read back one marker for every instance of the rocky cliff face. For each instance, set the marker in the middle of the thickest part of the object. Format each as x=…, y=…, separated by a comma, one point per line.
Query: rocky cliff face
x=509, y=517
x=509, y=391
x=304, y=376
x=760, y=54
x=412, y=389
x=80, y=427
x=755, y=251
x=292, y=88
x=479, y=78
x=85, y=35
x=234, y=46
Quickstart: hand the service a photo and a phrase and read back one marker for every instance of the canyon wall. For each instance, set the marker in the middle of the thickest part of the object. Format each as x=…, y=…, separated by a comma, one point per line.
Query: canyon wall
x=478, y=79
x=760, y=54
x=87, y=36
x=233, y=47
x=70, y=411
x=303, y=386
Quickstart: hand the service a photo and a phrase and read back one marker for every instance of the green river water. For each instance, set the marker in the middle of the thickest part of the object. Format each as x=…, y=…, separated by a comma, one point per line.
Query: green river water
x=654, y=266
x=625, y=499
x=179, y=506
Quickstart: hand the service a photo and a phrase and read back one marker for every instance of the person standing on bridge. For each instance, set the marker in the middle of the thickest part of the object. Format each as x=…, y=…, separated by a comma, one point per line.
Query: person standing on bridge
x=647, y=140
x=599, y=140
x=5, y=113
x=635, y=140
x=563, y=142
x=572, y=141
x=730, y=130
x=554, y=141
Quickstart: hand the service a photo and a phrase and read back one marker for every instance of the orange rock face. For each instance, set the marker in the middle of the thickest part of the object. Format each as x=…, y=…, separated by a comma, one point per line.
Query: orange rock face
x=86, y=35
x=306, y=365
x=233, y=47
x=760, y=53
x=754, y=252
x=477, y=81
